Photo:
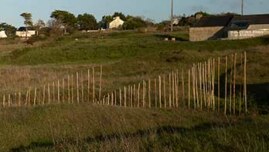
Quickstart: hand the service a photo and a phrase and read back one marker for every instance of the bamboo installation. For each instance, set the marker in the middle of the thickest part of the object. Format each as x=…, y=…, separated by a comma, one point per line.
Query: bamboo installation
x=165, y=91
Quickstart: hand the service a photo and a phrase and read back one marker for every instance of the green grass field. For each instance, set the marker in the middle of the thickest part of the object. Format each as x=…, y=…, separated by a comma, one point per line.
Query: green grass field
x=128, y=57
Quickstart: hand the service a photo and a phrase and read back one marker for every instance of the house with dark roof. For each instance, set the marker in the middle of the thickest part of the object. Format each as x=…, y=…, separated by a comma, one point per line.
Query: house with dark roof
x=230, y=27
x=248, y=26
x=24, y=32
x=209, y=28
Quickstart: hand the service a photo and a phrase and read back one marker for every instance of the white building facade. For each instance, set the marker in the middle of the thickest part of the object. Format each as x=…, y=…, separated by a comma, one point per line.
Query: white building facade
x=116, y=23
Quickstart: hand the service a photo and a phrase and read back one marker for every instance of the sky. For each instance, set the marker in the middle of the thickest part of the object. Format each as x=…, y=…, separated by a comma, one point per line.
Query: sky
x=157, y=10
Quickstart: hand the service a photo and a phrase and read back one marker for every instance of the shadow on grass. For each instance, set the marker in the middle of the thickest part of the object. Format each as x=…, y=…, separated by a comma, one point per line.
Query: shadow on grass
x=116, y=136
x=257, y=94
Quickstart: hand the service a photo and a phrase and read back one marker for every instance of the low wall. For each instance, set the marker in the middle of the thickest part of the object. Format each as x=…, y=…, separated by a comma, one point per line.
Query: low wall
x=205, y=33
x=243, y=34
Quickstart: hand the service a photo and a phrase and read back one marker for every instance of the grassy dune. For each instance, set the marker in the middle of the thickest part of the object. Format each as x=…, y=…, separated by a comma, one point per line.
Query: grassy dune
x=128, y=57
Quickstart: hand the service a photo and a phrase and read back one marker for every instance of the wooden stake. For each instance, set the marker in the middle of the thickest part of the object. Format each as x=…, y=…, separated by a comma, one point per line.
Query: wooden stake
x=144, y=94
x=19, y=99
x=189, y=89
x=100, y=81
x=234, y=83
x=160, y=91
x=231, y=82
x=183, y=87
x=155, y=93
x=89, y=83
x=245, y=82
x=72, y=88
x=82, y=92
x=93, y=85
x=44, y=95
x=149, y=93
x=138, y=95
x=77, y=87
x=125, y=97
x=164, y=92
x=170, y=90
x=218, y=84
x=9, y=100
x=58, y=91
x=49, y=94
x=226, y=80
x=68, y=89
x=63, y=95
x=120, y=97
x=35, y=97
x=4, y=101
x=53, y=91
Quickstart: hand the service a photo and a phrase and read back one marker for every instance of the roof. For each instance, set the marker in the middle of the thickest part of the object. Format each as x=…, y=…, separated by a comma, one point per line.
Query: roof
x=24, y=29
x=211, y=21
x=252, y=19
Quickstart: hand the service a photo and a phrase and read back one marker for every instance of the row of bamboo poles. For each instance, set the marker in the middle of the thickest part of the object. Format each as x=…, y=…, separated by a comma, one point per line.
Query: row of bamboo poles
x=74, y=88
x=200, y=87
x=214, y=85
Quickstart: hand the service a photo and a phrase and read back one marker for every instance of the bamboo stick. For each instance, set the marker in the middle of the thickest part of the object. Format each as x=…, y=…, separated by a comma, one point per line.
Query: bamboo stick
x=9, y=100
x=231, y=82
x=149, y=93
x=58, y=91
x=89, y=83
x=213, y=84
x=138, y=95
x=68, y=89
x=35, y=97
x=234, y=84
x=173, y=89
x=72, y=88
x=19, y=99
x=144, y=93
x=189, y=89
x=160, y=91
x=44, y=95
x=155, y=93
x=125, y=96
x=176, y=88
x=4, y=101
x=120, y=98
x=93, y=85
x=77, y=88
x=53, y=91
x=226, y=80
x=218, y=84
x=164, y=92
x=170, y=90
x=100, y=81
x=183, y=87
x=49, y=94
x=245, y=82
x=82, y=92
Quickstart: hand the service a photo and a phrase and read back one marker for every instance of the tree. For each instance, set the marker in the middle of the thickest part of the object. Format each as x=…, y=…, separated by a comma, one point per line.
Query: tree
x=104, y=23
x=38, y=25
x=134, y=23
x=121, y=15
x=27, y=21
x=86, y=22
x=66, y=19
x=9, y=29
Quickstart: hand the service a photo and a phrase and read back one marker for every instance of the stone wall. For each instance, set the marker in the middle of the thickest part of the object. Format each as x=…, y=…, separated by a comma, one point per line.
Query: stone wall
x=205, y=33
x=252, y=31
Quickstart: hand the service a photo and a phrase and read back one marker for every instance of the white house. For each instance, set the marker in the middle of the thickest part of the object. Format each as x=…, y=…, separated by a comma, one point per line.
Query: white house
x=3, y=34
x=21, y=32
x=116, y=23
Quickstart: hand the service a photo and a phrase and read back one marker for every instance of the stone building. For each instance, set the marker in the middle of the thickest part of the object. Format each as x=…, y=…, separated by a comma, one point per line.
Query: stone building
x=209, y=28
x=23, y=33
x=3, y=34
x=248, y=26
x=230, y=27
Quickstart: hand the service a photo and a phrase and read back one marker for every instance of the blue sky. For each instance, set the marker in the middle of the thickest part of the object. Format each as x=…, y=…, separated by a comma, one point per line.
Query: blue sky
x=157, y=10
